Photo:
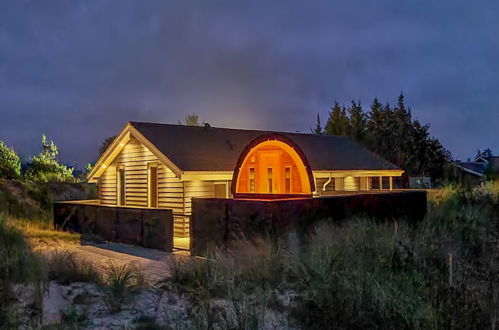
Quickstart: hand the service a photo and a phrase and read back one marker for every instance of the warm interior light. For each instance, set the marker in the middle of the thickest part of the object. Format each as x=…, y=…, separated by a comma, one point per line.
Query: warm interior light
x=273, y=167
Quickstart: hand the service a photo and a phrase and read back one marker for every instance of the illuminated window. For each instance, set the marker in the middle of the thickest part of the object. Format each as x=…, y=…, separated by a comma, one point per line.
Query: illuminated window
x=120, y=181
x=287, y=179
x=251, y=179
x=270, y=179
x=152, y=185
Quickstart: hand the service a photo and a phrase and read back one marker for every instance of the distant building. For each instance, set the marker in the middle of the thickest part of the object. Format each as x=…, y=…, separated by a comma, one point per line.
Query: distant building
x=479, y=169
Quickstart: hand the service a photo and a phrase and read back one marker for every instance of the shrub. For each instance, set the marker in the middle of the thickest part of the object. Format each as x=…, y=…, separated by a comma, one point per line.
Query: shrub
x=10, y=165
x=46, y=168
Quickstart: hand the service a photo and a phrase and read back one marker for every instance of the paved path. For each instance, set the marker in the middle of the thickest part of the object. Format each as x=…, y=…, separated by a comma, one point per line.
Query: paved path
x=155, y=264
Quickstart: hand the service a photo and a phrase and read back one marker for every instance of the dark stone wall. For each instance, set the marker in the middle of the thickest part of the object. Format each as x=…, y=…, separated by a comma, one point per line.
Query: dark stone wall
x=219, y=222
x=151, y=228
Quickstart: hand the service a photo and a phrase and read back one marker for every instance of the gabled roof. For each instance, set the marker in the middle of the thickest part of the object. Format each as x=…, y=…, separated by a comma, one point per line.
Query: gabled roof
x=205, y=148
x=480, y=165
x=476, y=168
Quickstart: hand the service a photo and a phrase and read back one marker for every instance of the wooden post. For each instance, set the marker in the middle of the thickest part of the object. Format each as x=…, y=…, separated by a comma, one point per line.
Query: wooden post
x=380, y=183
x=391, y=183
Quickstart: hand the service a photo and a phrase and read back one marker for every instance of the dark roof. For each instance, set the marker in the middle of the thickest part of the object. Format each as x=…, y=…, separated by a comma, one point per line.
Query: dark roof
x=194, y=148
x=482, y=166
x=476, y=167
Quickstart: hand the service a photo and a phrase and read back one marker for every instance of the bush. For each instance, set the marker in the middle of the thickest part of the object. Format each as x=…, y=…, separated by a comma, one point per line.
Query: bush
x=10, y=165
x=46, y=168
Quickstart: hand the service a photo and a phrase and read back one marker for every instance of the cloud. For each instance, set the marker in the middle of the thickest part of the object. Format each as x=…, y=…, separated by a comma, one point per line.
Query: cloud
x=79, y=71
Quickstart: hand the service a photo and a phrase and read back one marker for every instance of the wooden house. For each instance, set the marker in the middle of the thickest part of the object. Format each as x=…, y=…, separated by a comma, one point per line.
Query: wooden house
x=164, y=166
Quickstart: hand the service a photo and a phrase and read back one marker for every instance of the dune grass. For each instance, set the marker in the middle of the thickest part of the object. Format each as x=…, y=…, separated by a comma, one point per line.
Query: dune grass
x=437, y=274
x=43, y=230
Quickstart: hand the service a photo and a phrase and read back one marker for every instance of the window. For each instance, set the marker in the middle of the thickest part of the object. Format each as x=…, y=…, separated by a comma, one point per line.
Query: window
x=152, y=185
x=270, y=179
x=120, y=182
x=287, y=179
x=251, y=179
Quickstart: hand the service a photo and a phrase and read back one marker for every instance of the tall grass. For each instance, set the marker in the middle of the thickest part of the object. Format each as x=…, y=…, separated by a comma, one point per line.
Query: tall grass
x=65, y=268
x=120, y=280
x=17, y=265
x=43, y=231
x=440, y=273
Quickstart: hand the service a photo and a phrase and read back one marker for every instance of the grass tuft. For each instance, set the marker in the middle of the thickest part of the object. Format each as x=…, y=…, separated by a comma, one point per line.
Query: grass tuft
x=65, y=268
x=120, y=280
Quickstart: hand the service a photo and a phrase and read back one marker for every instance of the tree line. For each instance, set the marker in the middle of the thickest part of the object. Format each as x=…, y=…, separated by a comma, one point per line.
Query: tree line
x=391, y=132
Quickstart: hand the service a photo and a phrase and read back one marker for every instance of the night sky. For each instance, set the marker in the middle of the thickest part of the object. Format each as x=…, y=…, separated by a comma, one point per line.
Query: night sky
x=79, y=70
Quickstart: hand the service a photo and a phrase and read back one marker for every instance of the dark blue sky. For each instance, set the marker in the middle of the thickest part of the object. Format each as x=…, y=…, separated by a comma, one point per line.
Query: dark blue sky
x=79, y=70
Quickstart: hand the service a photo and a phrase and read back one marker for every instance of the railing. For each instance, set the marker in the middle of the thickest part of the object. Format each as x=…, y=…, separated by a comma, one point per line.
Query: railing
x=181, y=224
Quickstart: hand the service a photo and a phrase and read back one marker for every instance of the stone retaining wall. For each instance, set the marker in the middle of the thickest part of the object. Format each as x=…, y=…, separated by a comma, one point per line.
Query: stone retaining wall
x=151, y=228
x=219, y=222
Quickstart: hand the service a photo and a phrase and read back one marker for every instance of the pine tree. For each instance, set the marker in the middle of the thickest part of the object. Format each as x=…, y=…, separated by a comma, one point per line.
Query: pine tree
x=337, y=123
x=357, y=126
x=376, y=121
x=318, y=130
x=393, y=134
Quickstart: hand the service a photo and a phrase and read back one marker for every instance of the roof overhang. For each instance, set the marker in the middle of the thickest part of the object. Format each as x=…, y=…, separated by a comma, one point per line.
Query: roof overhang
x=206, y=175
x=481, y=175
x=118, y=144
x=360, y=173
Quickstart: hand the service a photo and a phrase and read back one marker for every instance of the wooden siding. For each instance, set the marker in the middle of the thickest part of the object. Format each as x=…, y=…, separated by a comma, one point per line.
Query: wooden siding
x=197, y=189
x=107, y=186
x=135, y=157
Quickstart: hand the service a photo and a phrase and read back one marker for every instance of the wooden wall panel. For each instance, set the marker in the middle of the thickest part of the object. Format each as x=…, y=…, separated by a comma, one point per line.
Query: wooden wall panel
x=135, y=157
x=197, y=189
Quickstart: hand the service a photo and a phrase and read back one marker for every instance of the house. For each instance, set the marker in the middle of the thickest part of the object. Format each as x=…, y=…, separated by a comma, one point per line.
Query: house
x=164, y=166
x=476, y=171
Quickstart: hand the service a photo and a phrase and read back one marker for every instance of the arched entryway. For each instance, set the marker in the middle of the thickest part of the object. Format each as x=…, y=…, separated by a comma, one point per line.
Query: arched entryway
x=272, y=165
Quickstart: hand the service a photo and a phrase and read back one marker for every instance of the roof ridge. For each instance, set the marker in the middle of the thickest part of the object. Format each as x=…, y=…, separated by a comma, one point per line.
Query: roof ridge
x=236, y=129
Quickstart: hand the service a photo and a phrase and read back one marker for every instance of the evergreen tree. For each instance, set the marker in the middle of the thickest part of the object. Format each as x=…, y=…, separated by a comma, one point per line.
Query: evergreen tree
x=358, y=126
x=105, y=144
x=337, y=123
x=376, y=122
x=393, y=134
x=318, y=127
